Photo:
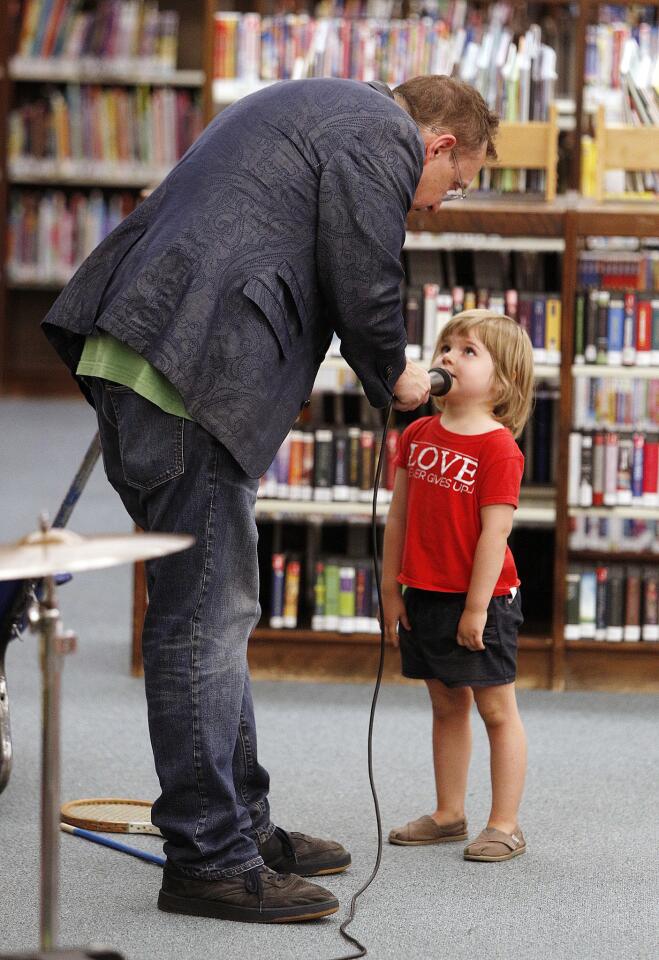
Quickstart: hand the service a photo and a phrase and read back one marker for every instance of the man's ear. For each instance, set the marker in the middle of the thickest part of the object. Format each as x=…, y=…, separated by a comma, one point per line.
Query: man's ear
x=438, y=144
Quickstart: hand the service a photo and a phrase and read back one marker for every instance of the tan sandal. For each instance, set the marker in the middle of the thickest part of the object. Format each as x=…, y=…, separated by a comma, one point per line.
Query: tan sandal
x=425, y=830
x=492, y=845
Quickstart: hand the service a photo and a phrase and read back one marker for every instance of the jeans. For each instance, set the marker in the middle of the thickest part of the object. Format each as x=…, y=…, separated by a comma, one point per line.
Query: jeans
x=174, y=477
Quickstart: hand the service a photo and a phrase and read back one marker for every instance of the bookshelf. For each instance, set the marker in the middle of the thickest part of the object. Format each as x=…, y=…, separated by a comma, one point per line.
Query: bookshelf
x=599, y=664
x=27, y=366
x=619, y=146
x=588, y=12
x=547, y=660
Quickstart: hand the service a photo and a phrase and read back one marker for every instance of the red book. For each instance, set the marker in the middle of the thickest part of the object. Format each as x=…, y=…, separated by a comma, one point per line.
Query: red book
x=650, y=472
x=643, y=333
x=598, y=470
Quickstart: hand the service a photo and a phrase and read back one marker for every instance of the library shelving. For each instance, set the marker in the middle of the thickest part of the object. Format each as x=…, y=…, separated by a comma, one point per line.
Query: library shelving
x=604, y=664
x=547, y=658
x=172, y=74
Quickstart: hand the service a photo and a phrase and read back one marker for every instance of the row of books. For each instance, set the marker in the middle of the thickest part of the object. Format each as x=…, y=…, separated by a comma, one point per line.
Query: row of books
x=619, y=270
x=613, y=534
x=613, y=603
x=640, y=105
x=429, y=309
x=605, y=49
x=614, y=328
x=330, y=464
x=129, y=32
x=345, y=595
x=135, y=125
x=615, y=403
x=459, y=264
x=539, y=440
x=608, y=470
x=516, y=79
x=50, y=234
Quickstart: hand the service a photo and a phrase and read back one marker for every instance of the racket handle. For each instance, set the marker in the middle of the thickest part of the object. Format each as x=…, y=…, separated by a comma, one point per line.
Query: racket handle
x=106, y=842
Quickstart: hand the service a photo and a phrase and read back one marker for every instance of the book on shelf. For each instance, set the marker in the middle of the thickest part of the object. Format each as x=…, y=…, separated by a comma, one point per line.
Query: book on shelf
x=50, y=233
x=618, y=269
x=330, y=465
x=277, y=590
x=538, y=313
x=613, y=534
x=616, y=403
x=291, y=593
x=87, y=130
x=608, y=470
x=285, y=591
x=515, y=78
x=344, y=598
x=128, y=33
x=612, y=603
x=615, y=328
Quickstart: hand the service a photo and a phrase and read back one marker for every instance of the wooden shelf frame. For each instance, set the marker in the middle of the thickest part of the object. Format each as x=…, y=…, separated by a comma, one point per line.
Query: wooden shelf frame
x=582, y=219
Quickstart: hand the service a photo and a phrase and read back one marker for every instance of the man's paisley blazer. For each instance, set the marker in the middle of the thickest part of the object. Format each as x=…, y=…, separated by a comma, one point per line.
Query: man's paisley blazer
x=283, y=222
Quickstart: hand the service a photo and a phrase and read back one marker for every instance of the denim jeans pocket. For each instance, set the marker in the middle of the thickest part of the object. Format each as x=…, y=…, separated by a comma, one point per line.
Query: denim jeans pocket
x=150, y=440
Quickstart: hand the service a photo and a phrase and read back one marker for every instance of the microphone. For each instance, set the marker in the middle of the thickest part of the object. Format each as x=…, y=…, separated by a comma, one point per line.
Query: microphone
x=441, y=381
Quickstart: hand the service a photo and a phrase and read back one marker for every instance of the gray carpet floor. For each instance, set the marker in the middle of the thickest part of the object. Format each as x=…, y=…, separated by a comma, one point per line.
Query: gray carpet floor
x=587, y=887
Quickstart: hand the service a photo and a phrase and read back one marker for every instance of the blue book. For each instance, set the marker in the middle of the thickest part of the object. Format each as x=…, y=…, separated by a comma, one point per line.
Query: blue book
x=637, y=467
x=538, y=322
x=277, y=595
x=615, y=330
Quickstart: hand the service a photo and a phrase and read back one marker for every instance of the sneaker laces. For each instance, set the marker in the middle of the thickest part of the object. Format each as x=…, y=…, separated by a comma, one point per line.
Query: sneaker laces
x=286, y=842
x=254, y=884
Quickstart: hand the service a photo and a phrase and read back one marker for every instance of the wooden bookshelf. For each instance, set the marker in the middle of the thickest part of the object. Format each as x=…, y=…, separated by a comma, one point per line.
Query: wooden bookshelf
x=621, y=147
x=531, y=146
x=28, y=367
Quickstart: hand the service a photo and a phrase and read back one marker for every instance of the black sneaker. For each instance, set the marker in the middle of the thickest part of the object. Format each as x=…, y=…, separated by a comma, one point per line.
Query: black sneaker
x=303, y=855
x=256, y=896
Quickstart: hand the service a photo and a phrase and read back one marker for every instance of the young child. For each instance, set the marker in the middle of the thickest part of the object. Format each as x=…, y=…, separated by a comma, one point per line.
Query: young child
x=457, y=486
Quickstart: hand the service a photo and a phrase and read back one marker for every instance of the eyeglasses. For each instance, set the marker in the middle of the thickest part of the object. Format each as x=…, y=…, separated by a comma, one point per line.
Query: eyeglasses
x=461, y=193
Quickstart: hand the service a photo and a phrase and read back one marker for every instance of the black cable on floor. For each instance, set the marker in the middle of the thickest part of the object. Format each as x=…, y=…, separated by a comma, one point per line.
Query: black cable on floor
x=362, y=951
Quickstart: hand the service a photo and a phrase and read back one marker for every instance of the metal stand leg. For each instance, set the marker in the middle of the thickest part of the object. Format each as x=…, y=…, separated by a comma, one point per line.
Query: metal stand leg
x=53, y=644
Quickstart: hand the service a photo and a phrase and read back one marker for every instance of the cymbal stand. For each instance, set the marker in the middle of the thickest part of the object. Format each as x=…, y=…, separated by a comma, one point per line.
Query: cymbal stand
x=54, y=644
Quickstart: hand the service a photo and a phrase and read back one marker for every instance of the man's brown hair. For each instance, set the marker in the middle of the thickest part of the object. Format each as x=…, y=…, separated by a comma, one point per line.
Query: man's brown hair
x=445, y=104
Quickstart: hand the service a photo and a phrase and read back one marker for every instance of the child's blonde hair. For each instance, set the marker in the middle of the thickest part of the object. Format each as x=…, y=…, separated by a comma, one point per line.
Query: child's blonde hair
x=512, y=354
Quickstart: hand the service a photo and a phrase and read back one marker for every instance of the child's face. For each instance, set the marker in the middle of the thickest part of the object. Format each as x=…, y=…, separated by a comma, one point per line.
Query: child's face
x=471, y=365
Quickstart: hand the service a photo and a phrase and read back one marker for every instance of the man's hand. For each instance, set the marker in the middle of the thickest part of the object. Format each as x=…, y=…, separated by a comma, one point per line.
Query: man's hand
x=470, y=629
x=412, y=387
x=394, y=612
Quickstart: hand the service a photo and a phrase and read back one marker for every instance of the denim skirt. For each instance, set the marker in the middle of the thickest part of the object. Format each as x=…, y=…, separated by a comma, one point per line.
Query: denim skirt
x=430, y=650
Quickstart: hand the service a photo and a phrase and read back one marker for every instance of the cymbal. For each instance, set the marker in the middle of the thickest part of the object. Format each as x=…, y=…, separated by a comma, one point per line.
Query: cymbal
x=40, y=554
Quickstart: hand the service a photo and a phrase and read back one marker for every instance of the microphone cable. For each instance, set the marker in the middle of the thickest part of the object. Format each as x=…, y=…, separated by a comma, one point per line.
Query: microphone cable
x=441, y=381
x=361, y=949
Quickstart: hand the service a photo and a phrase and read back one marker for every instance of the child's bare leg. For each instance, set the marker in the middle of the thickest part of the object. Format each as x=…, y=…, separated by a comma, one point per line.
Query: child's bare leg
x=451, y=747
x=498, y=708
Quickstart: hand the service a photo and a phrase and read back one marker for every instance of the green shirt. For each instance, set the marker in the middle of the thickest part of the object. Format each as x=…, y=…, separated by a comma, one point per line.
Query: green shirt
x=105, y=356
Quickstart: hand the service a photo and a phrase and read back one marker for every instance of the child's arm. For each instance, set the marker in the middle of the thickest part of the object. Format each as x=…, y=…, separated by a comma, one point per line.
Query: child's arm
x=394, y=540
x=497, y=522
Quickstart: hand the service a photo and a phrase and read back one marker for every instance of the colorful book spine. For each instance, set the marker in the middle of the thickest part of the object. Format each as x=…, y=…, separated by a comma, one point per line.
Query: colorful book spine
x=347, y=576
x=319, y=618
x=277, y=593
x=291, y=593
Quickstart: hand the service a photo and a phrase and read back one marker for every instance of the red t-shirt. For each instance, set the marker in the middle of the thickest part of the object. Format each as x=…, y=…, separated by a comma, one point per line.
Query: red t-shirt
x=450, y=477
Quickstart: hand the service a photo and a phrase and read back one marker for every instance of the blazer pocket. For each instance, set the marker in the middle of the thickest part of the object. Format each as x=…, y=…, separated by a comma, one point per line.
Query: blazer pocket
x=258, y=291
x=287, y=274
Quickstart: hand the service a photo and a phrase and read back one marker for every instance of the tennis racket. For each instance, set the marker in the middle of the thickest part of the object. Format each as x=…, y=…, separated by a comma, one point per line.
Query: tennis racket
x=110, y=815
